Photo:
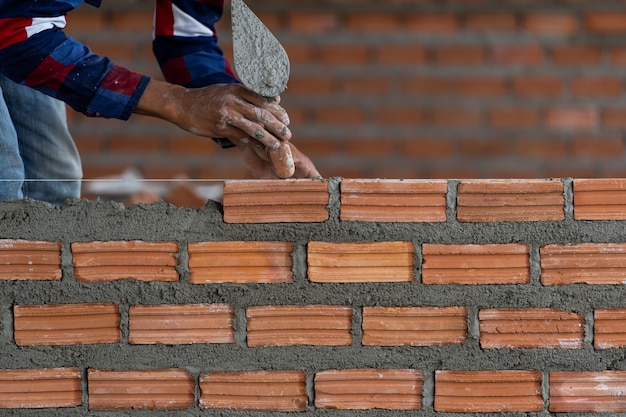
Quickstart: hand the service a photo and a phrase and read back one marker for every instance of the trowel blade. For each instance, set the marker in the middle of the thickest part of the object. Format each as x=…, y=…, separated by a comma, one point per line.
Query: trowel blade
x=260, y=60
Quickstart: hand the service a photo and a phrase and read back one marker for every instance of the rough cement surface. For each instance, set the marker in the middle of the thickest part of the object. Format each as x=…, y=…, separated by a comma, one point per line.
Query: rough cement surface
x=83, y=220
x=260, y=60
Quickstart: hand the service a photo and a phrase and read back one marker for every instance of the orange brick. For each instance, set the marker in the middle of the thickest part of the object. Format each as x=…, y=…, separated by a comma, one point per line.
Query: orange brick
x=320, y=325
x=552, y=24
x=537, y=86
x=366, y=389
x=609, y=328
x=584, y=263
x=372, y=22
x=40, y=388
x=572, y=118
x=433, y=23
x=476, y=264
x=531, y=328
x=600, y=199
x=510, y=200
x=572, y=54
x=488, y=391
x=414, y=326
x=159, y=389
x=393, y=200
x=491, y=22
x=519, y=55
x=344, y=54
x=588, y=392
x=605, y=86
x=240, y=262
x=451, y=116
x=400, y=54
x=491, y=86
x=460, y=55
x=310, y=21
x=513, y=117
x=361, y=261
x=66, y=324
x=181, y=324
x=109, y=261
x=30, y=260
x=281, y=391
x=605, y=22
x=275, y=201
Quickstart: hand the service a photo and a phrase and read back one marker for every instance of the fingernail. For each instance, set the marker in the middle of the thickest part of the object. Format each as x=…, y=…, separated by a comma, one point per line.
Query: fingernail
x=258, y=134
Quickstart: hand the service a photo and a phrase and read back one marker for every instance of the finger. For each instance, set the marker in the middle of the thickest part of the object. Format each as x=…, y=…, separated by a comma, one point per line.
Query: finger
x=270, y=103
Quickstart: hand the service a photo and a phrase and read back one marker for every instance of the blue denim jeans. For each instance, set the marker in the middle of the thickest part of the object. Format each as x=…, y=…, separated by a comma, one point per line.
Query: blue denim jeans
x=38, y=158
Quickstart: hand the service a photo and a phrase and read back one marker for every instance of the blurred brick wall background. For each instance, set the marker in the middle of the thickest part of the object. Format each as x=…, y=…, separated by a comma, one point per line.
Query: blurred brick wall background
x=401, y=89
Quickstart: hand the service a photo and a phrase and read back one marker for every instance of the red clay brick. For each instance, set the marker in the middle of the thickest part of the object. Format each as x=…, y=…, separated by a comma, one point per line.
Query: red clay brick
x=491, y=22
x=572, y=118
x=577, y=55
x=433, y=23
x=321, y=325
x=527, y=55
x=372, y=22
x=109, y=261
x=30, y=260
x=66, y=324
x=414, y=326
x=393, y=200
x=181, y=324
x=600, y=199
x=476, y=264
x=552, y=24
x=603, y=86
x=605, y=22
x=275, y=201
x=40, y=388
x=361, y=261
x=488, y=391
x=609, y=328
x=366, y=389
x=460, y=55
x=281, y=391
x=310, y=21
x=584, y=263
x=510, y=200
x=537, y=86
x=159, y=389
x=531, y=328
x=588, y=392
x=513, y=117
x=240, y=262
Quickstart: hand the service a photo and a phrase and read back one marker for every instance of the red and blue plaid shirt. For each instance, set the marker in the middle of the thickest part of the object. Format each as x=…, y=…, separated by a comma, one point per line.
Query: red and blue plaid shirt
x=35, y=51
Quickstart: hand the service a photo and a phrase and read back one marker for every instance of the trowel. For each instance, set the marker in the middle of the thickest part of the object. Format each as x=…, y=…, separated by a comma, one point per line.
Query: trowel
x=262, y=65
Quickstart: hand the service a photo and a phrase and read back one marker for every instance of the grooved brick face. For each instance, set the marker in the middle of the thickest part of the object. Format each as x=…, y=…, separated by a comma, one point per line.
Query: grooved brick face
x=510, y=200
x=29, y=260
x=299, y=325
x=393, y=200
x=584, y=263
x=109, y=261
x=40, y=388
x=66, y=324
x=365, y=389
x=531, y=328
x=240, y=262
x=414, y=326
x=600, y=199
x=181, y=324
x=476, y=264
x=609, y=328
x=588, y=392
x=488, y=391
x=268, y=201
x=161, y=389
x=283, y=391
x=361, y=262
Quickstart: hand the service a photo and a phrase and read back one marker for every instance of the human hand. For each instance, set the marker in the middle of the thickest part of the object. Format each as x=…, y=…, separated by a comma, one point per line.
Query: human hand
x=259, y=162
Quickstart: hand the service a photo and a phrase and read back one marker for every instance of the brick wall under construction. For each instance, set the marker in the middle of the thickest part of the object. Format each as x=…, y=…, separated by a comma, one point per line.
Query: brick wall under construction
x=307, y=297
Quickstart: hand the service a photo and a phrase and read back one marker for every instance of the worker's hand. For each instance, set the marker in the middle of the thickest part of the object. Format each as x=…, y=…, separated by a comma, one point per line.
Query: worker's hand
x=260, y=166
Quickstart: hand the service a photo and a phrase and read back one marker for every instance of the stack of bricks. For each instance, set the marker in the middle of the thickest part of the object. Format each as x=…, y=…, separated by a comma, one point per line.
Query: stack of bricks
x=409, y=297
x=401, y=89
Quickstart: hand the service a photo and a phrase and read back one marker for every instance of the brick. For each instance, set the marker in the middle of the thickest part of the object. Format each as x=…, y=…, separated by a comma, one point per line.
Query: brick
x=157, y=389
x=312, y=22
x=181, y=324
x=40, y=388
x=597, y=86
x=572, y=118
x=491, y=22
x=344, y=54
x=113, y=260
x=510, y=200
x=530, y=55
x=513, y=117
x=30, y=260
x=367, y=389
x=400, y=54
x=414, y=326
x=609, y=326
x=460, y=117
x=372, y=22
x=476, y=264
x=573, y=54
x=531, y=328
x=274, y=201
x=361, y=262
x=280, y=391
x=240, y=262
x=583, y=263
x=588, y=392
x=432, y=23
x=551, y=24
x=319, y=325
x=488, y=391
x=537, y=86
x=460, y=55
x=66, y=324
x=393, y=200
x=491, y=86
x=613, y=117
x=605, y=22
x=600, y=199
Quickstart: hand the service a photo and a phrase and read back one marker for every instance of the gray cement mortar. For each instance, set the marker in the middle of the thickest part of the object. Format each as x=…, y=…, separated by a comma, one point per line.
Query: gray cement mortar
x=83, y=220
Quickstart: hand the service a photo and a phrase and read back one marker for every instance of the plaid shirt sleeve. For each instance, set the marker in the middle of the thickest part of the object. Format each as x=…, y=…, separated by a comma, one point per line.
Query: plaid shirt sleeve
x=34, y=51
